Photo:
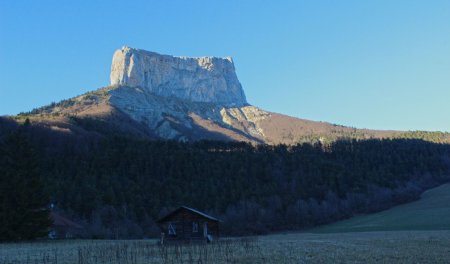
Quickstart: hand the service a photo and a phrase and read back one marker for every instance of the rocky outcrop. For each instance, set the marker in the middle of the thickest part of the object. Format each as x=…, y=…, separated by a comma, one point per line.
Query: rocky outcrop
x=183, y=98
x=189, y=99
x=173, y=118
x=204, y=79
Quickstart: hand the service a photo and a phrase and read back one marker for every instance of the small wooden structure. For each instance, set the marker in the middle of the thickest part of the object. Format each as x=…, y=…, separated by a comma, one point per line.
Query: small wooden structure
x=187, y=224
x=63, y=228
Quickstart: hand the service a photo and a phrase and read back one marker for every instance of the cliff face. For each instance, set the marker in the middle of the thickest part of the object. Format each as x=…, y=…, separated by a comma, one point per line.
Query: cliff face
x=179, y=97
x=174, y=118
x=204, y=79
x=184, y=98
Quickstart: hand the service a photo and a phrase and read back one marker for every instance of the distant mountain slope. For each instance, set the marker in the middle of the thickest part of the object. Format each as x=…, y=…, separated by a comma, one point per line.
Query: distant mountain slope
x=180, y=98
x=431, y=212
x=126, y=110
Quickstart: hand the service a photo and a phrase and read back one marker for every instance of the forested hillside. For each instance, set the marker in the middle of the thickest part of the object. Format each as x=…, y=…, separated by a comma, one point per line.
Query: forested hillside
x=117, y=186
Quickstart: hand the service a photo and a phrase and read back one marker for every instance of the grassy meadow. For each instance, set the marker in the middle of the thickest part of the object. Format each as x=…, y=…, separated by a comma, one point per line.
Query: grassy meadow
x=418, y=232
x=356, y=247
x=430, y=212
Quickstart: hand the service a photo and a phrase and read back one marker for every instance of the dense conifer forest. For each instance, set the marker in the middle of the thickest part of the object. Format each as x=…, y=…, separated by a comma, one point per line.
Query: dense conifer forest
x=117, y=186
x=24, y=212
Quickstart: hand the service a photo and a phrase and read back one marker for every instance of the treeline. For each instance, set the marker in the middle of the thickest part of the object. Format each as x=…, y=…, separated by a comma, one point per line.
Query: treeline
x=118, y=186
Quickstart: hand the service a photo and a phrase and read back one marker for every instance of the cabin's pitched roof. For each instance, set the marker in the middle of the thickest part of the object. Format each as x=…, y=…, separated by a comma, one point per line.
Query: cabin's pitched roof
x=164, y=218
x=60, y=221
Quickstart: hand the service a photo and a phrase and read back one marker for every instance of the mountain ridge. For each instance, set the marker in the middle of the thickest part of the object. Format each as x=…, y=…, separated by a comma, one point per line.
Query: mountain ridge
x=187, y=99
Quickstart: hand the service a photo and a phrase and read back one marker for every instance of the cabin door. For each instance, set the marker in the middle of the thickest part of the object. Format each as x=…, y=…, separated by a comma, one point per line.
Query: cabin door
x=205, y=229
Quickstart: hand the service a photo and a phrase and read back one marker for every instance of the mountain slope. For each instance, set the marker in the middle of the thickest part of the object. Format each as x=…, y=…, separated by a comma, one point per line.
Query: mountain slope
x=126, y=110
x=180, y=98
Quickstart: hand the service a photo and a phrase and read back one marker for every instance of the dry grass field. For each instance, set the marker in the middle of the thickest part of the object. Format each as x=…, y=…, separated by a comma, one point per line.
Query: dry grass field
x=360, y=247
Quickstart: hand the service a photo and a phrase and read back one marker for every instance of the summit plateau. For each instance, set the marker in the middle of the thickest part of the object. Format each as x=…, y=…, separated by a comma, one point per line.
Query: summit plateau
x=204, y=79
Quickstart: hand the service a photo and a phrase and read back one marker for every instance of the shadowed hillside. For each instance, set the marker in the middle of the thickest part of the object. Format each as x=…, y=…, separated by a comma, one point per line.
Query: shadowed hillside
x=189, y=121
x=117, y=186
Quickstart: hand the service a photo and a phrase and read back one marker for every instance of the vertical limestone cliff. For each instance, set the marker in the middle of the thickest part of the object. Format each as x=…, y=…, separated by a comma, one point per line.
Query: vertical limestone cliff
x=203, y=79
x=182, y=98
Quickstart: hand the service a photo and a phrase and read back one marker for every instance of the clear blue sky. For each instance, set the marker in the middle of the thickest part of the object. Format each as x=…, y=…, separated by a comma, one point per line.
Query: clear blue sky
x=368, y=64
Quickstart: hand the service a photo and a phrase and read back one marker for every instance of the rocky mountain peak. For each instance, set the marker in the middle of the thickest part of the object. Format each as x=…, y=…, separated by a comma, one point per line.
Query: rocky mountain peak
x=202, y=79
x=187, y=99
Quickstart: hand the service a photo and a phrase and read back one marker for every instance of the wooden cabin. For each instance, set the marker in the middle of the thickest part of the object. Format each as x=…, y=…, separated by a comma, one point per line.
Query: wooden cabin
x=63, y=228
x=187, y=224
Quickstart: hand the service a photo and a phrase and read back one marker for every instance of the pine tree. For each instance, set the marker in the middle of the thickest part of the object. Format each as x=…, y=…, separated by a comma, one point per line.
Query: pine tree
x=24, y=213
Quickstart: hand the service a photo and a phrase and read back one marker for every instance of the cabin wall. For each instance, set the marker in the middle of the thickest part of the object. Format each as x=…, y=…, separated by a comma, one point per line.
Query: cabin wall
x=184, y=226
x=59, y=232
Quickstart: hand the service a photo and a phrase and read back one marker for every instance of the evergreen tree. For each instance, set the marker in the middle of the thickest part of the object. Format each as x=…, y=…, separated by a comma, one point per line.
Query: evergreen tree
x=24, y=213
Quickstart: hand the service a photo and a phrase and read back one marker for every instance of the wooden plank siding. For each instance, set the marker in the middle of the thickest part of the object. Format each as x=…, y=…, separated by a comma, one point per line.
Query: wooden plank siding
x=184, y=218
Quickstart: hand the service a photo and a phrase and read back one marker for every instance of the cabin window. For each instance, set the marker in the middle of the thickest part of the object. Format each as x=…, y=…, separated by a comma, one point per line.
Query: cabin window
x=172, y=229
x=194, y=227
